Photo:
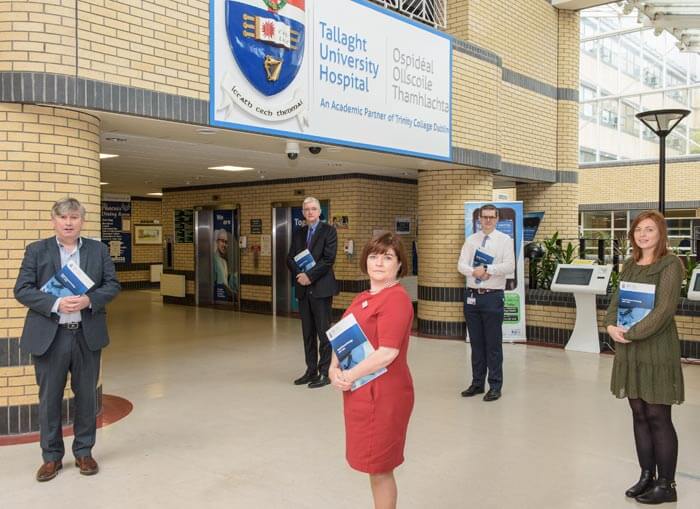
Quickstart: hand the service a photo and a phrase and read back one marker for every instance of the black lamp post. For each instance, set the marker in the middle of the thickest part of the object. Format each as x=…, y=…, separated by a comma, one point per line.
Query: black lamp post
x=662, y=122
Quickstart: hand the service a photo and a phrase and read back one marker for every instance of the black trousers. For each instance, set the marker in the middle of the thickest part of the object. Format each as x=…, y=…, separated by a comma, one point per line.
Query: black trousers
x=315, y=321
x=485, y=326
x=68, y=353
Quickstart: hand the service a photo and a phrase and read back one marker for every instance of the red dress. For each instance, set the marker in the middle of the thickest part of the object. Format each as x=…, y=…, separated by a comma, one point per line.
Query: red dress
x=376, y=414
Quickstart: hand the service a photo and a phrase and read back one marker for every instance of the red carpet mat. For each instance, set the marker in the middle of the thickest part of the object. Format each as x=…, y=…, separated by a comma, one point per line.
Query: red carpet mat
x=114, y=408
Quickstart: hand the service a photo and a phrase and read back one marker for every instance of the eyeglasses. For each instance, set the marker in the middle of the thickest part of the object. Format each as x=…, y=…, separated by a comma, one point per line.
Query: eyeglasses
x=488, y=218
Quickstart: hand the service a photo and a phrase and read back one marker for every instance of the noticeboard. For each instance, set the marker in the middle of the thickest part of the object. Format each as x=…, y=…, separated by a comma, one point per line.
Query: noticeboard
x=184, y=226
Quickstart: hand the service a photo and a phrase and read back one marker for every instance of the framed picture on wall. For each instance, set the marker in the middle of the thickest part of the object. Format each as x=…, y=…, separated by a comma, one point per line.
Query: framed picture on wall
x=148, y=234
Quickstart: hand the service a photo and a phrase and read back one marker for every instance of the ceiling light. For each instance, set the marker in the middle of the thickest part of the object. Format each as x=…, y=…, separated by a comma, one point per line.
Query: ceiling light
x=154, y=194
x=104, y=183
x=115, y=139
x=230, y=168
x=108, y=156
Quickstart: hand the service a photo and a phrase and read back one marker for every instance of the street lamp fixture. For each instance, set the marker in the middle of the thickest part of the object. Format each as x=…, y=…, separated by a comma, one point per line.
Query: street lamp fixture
x=662, y=122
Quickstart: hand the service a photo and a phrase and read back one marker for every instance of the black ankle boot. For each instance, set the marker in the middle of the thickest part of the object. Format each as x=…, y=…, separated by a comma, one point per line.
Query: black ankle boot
x=645, y=482
x=663, y=491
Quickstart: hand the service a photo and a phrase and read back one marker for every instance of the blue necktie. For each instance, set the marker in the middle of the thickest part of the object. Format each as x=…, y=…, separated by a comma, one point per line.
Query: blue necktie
x=308, y=237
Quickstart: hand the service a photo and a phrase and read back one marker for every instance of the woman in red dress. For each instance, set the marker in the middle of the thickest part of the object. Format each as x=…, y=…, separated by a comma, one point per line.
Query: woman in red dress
x=377, y=413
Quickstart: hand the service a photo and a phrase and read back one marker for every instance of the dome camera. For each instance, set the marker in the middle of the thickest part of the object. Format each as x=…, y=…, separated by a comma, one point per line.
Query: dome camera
x=315, y=150
x=292, y=150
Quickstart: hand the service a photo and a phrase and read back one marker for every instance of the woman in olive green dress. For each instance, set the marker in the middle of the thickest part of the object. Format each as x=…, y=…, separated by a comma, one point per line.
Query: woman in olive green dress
x=647, y=367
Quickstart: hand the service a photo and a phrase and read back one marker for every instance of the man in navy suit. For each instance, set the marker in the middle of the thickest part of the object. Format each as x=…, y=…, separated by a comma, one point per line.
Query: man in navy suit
x=315, y=289
x=66, y=334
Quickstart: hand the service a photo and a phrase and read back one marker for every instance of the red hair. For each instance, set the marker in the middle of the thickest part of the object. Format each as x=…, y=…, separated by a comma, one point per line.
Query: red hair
x=662, y=246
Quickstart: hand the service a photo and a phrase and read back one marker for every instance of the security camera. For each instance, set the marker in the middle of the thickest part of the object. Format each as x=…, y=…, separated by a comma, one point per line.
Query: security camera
x=292, y=150
x=315, y=150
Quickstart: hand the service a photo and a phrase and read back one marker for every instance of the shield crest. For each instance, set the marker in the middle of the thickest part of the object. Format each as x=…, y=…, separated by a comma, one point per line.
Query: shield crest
x=268, y=47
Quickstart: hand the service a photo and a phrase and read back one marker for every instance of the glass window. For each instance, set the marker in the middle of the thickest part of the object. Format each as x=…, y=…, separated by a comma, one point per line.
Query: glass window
x=629, y=123
x=653, y=74
x=608, y=114
x=597, y=220
x=586, y=155
x=620, y=219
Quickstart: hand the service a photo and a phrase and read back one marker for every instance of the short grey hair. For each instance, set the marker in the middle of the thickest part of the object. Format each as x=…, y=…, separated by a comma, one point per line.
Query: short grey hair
x=221, y=234
x=66, y=205
x=311, y=199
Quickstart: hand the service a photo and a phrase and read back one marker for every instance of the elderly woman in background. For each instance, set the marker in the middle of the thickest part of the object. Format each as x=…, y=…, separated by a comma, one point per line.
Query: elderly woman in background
x=377, y=414
x=647, y=368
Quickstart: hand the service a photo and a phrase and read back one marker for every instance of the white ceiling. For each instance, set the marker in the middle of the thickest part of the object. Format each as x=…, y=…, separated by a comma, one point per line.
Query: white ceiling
x=157, y=154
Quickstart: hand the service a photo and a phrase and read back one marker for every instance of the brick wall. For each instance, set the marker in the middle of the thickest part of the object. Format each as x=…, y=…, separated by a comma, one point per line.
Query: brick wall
x=47, y=153
x=441, y=197
x=639, y=183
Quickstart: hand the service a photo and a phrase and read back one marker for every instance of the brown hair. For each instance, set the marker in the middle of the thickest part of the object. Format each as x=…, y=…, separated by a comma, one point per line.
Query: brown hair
x=380, y=244
x=660, y=221
x=489, y=206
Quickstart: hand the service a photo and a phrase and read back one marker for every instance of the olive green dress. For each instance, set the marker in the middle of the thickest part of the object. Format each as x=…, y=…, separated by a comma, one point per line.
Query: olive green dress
x=649, y=368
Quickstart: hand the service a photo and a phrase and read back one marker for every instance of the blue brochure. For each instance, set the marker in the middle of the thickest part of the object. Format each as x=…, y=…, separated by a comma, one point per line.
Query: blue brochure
x=68, y=282
x=304, y=260
x=351, y=346
x=635, y=302
x=482, y=258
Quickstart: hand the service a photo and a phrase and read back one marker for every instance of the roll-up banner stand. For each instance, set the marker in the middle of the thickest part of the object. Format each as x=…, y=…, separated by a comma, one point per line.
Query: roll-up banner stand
x=510, y=222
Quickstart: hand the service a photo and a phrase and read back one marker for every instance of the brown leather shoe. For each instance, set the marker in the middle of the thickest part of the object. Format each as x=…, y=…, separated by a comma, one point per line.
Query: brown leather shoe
x=48, y=471
x=87, y=465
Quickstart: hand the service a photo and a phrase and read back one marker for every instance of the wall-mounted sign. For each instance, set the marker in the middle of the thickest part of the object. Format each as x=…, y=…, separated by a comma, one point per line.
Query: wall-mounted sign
x=402, y=225
x=116, y=228
x=255, y=226
x=343, y=71
x=184, y=226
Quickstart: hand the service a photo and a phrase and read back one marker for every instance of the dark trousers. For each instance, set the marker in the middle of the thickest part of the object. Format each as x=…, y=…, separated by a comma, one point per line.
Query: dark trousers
x=315, y=321
x=68, y=353
x=484, y=323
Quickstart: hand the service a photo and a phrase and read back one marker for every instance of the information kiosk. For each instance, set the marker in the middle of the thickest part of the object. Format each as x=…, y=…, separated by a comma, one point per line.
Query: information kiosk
x=585, y=282
x=694, y=287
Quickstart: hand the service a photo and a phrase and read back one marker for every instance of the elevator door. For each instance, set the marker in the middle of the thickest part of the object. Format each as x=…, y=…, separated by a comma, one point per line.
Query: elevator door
x=281, y=240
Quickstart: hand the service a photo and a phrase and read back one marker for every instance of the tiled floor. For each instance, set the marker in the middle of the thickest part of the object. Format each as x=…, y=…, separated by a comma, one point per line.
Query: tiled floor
x=217, y=423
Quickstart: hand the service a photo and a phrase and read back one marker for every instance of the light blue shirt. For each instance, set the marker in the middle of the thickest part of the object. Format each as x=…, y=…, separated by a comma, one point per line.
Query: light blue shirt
x=65, y=258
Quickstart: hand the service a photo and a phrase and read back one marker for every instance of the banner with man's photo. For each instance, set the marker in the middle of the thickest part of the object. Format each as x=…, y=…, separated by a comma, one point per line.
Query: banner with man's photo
x=224, y=253
x=510, y=222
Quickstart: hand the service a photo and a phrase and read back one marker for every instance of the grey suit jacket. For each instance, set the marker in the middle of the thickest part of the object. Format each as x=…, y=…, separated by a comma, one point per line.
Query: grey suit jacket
x=42, y=260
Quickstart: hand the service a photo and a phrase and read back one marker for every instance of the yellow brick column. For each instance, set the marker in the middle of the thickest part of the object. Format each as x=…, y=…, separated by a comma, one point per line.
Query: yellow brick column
x=45, y=154
x=441, y=197
x=559, y=201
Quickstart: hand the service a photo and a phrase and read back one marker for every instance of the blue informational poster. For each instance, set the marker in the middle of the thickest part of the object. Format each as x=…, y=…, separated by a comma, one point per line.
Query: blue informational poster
x=116, y=229
x=531, y=223
x=224, y=263
x=510, y=222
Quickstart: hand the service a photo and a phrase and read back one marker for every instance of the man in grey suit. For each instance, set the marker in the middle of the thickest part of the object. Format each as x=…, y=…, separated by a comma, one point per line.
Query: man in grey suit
x=66, y=334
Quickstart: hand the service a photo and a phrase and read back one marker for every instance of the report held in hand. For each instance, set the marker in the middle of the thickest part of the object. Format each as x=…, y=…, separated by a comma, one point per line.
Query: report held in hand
x=351, y=346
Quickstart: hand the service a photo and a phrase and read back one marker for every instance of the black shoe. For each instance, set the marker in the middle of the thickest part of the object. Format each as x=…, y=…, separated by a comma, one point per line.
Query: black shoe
x=472, y=390
x=492, y=395
x=305, y=379
x=323, y=380
x=663, y=491
x=645, y=482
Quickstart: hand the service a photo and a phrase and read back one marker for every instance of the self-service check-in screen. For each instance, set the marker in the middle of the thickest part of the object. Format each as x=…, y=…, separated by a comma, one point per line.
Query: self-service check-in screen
x=578, y=277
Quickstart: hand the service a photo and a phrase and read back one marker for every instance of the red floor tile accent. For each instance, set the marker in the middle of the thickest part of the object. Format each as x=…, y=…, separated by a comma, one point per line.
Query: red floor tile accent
x=114, y=408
